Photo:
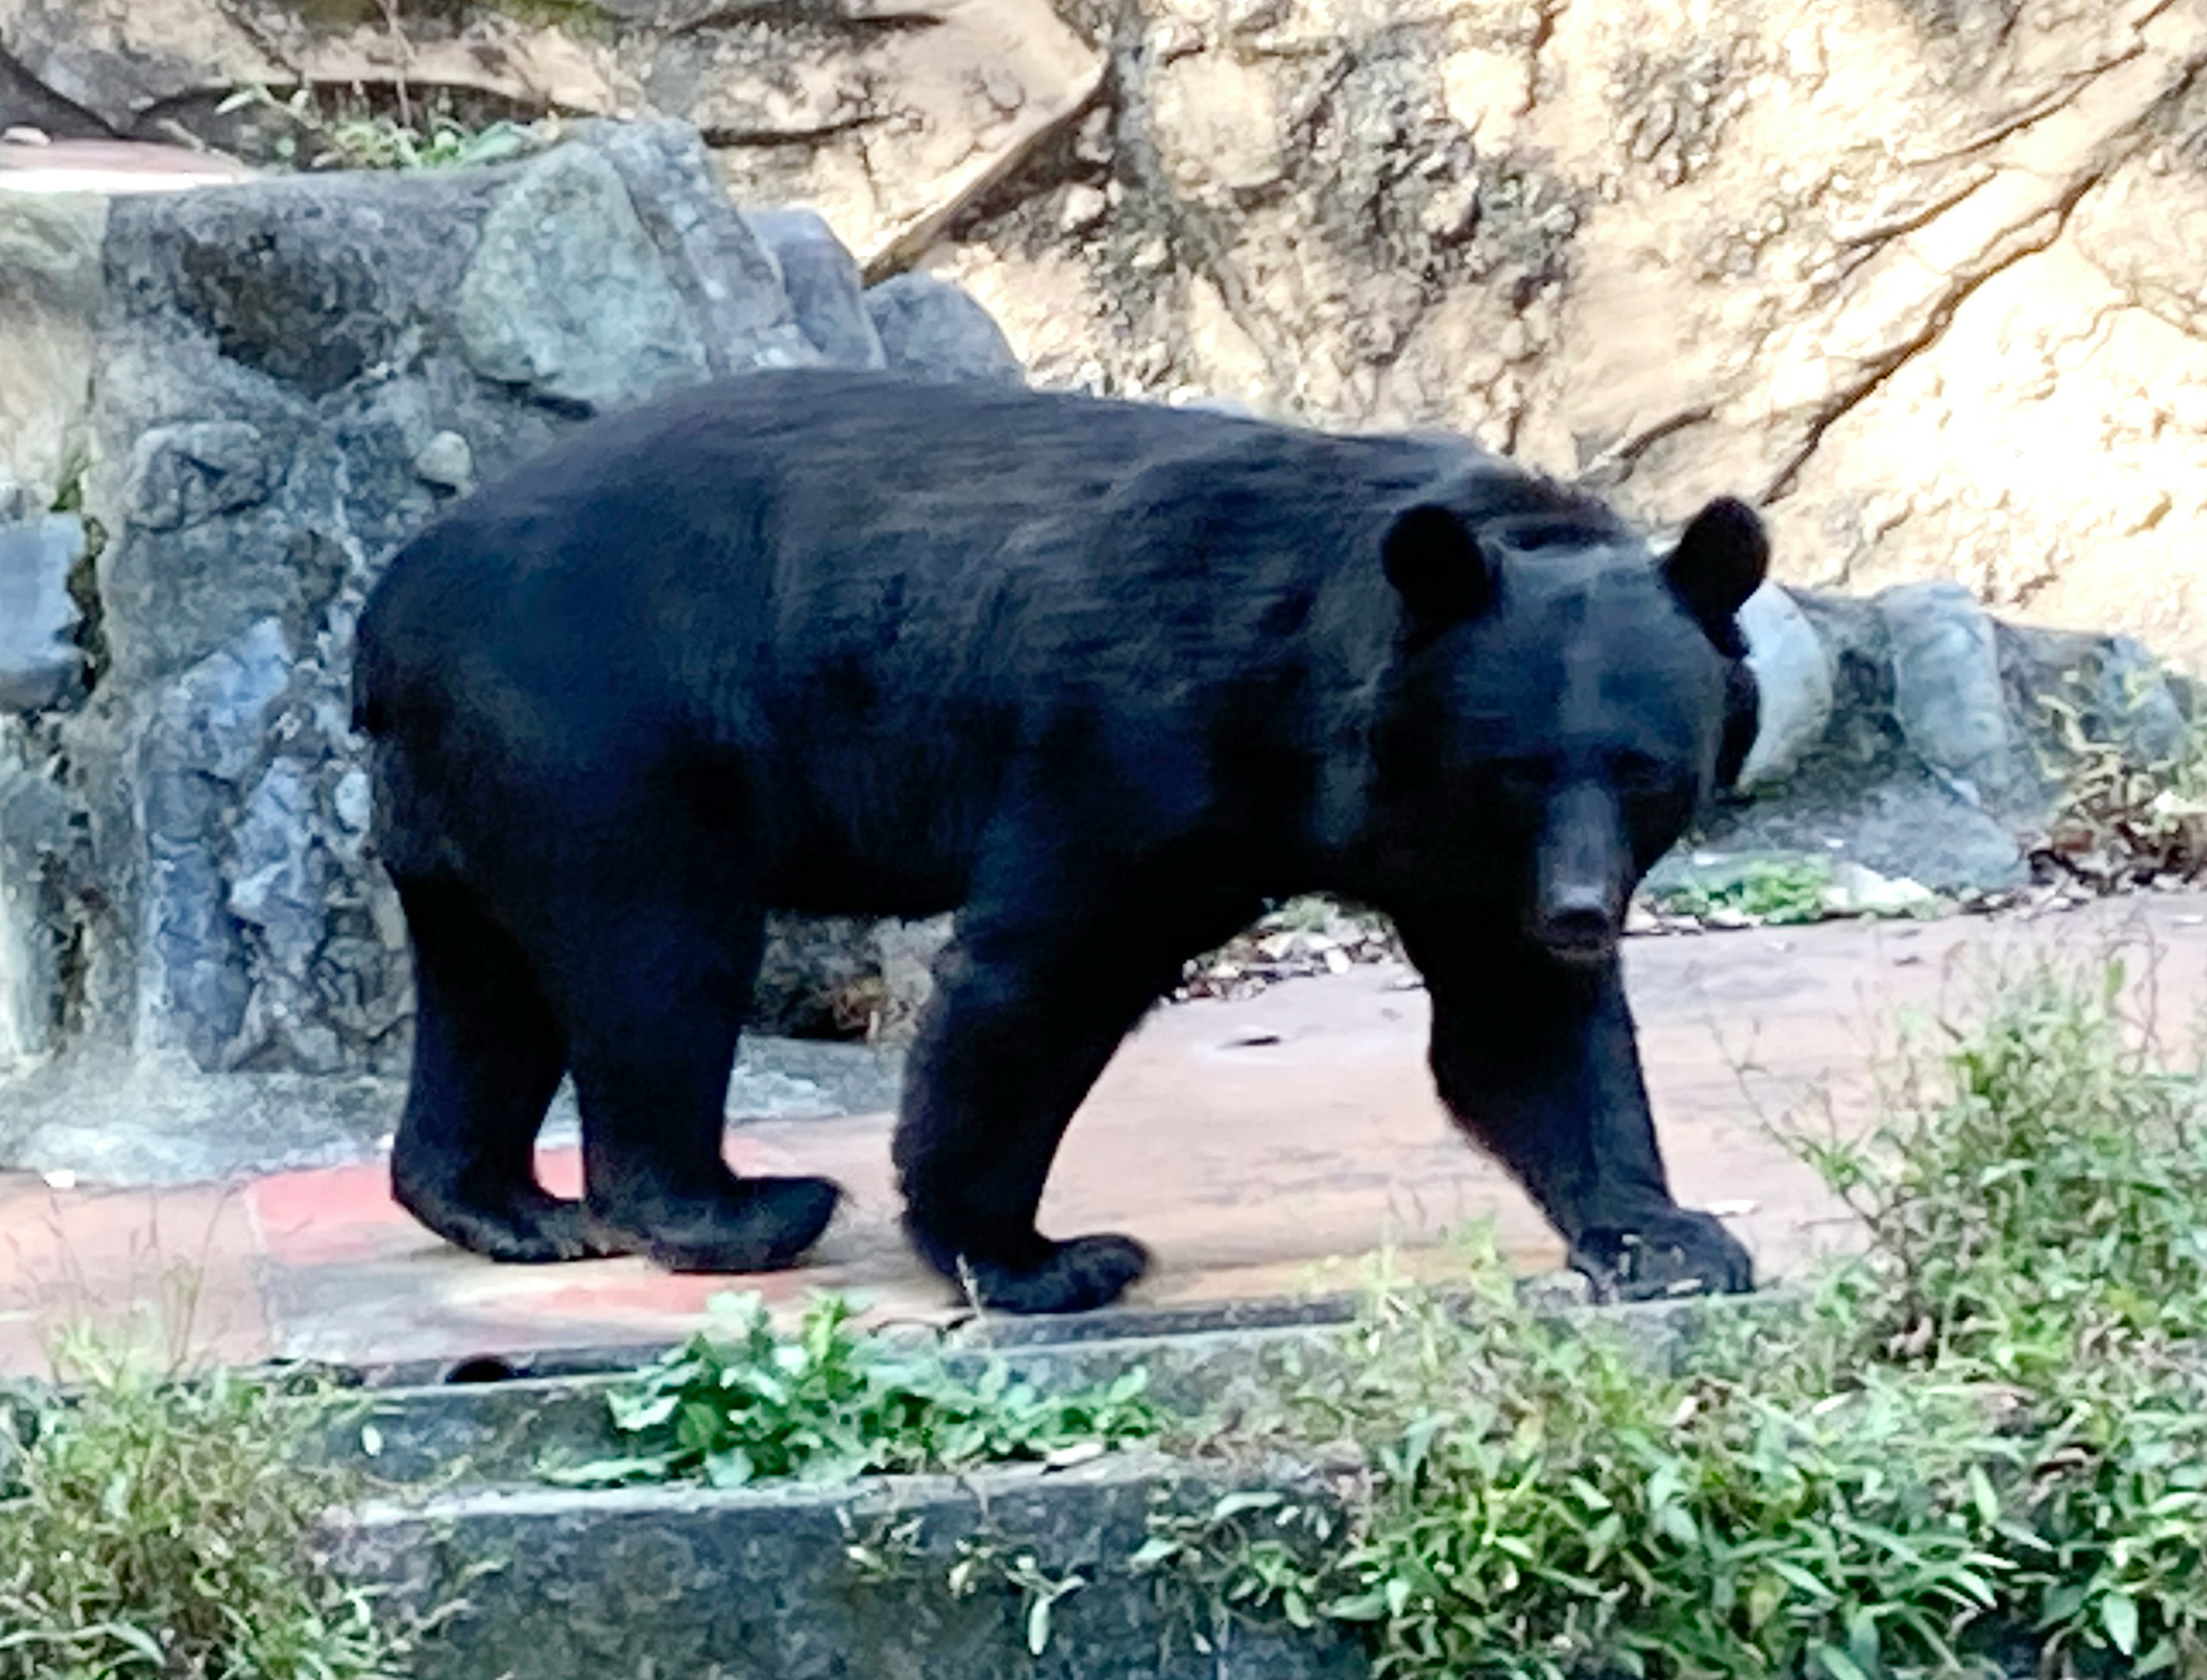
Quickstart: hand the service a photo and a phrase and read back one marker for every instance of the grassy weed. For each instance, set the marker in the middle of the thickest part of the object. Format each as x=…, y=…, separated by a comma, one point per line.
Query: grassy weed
x=1981, y=1448
x=158, y=1528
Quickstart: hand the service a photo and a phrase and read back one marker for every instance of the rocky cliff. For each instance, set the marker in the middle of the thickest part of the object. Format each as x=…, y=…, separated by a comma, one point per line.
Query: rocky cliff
x=1921, y=275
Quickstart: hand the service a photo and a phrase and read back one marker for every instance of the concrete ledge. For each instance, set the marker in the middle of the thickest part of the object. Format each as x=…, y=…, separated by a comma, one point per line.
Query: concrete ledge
x=926, y=1578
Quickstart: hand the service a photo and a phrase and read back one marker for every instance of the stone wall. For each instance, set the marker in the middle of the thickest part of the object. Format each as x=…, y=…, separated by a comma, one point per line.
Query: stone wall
x=272, y=386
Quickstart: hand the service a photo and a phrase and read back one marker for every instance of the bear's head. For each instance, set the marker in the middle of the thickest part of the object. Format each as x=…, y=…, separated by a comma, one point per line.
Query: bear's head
x=1558, y=703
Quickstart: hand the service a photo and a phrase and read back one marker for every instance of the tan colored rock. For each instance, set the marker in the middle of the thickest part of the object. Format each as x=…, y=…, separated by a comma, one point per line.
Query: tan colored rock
x=50, y=292
x=1217, y=124
x=1924, y=280
x=1931, y=291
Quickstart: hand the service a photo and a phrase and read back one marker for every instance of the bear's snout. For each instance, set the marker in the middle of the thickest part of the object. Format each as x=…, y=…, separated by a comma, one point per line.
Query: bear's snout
x=1578, y=908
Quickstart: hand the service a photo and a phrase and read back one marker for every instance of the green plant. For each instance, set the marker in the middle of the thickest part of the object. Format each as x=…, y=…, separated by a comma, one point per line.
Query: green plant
x=377, y=140
x=1780, y=891
x=152, y=1527
x=1984, y=1439
x=2127, y=810
x=742, y=1402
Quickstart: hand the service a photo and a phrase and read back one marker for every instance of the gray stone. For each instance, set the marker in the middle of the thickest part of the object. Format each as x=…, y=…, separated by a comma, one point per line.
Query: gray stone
x=283, y=386
x=929, y=326
x=209, y=731
x=2134, y=690
x=36, y=830
x=1947, y=696
x=182, y=476
x=51, y=290
x=40, y=663
x=762, y=1584
x=569, y=297
x=1793, y=672
x=841, y=976
x=446, y=462
x=825, y=289
x=728, y=282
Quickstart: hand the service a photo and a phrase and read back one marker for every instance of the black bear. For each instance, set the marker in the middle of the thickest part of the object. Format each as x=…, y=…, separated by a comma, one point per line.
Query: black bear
x=1103, y=676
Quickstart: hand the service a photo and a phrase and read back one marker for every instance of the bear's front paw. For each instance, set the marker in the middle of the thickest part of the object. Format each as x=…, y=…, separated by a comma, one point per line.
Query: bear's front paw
x=1679, y=1252
x=1075, y=1276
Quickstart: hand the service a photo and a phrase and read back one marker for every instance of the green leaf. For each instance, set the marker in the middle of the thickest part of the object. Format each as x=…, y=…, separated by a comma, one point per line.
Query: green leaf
x=2118, y=1615
x=1836, y=1663
x=1153, y=1551
x=1038, y=1625
x=1253, y=1499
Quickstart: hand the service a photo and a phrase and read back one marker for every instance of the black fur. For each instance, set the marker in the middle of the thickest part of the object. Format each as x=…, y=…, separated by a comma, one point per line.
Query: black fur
x=1103, y=676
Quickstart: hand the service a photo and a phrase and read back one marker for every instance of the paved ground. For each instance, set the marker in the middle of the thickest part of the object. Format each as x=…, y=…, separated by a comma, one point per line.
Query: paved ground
x=1260, y=1146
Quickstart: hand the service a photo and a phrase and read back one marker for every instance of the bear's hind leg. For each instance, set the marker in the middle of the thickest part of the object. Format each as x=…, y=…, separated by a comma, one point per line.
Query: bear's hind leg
x=1022, y=1021
x=488, y=1056
x=659, y=1001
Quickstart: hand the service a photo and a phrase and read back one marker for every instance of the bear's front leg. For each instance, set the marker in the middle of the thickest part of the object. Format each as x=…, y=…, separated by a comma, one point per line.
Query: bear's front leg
x=1534, y=1056
x=1022, y=1019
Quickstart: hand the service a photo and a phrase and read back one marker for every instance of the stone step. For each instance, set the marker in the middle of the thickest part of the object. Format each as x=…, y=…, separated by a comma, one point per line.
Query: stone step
x=1021, y=1571
x=1018, y=1570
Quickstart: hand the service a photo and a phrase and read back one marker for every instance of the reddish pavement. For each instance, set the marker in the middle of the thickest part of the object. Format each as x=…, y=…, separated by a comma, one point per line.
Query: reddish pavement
x=1260, y=1147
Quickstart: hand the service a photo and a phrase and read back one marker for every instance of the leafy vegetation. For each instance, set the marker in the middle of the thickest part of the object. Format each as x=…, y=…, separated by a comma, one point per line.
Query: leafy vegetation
x=376, y=140
x=1775, y=891
x=743, y=1402
x=152, y=1528
x=1981, y=1446
x=2134, y=801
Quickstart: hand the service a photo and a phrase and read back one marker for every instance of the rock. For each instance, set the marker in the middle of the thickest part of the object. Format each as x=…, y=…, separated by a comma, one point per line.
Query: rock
x=611, y=271
x=843, y=978
x=2134, y=690
x=1857, y=891
x=928, y=327
x=40, y=663
x=36, y=830
x=184, y=476
x=729, y=283
x=799, y=109
x=447, y=462
x=1793, y=672
x=1084, y=207
x=1948, y=697
x=567, y=297
x=824, y=286
x=287, y=380
x=50, y=292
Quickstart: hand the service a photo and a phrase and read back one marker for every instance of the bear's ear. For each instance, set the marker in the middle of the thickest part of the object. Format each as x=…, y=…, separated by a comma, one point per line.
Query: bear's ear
x=1719, y=563
x=1437, y=567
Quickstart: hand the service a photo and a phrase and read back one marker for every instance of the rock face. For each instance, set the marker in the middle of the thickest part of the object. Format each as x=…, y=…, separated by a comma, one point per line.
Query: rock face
x=1919, y=277
x=40, y=663
x=291, y=377
x=1913, y=277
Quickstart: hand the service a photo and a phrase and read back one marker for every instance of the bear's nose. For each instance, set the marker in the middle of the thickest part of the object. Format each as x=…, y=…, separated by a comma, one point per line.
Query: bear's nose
x=1580, y=935
x=1576, y=923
